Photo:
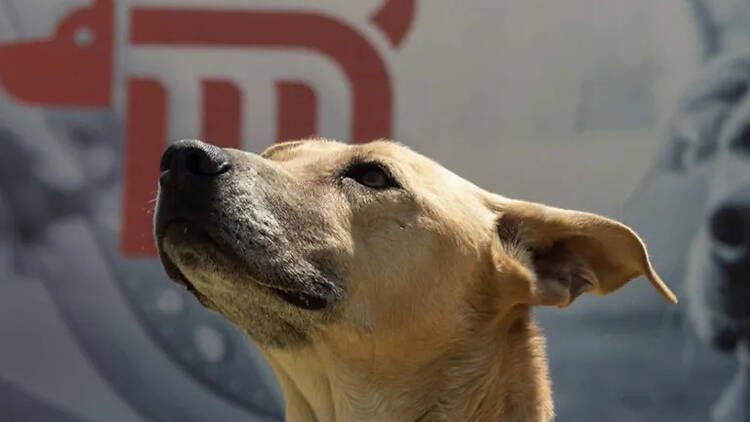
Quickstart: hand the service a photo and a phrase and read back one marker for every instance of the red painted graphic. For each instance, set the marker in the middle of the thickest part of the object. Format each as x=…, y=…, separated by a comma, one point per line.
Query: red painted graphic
x=74, y=68
x=222, y=108
x=297, y=110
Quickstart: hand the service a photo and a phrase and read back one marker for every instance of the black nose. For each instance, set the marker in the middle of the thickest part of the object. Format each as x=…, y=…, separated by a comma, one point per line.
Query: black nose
x=729, y=228
x=195, y=157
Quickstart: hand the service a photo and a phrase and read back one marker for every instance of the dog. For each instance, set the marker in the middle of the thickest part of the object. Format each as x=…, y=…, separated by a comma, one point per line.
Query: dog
x=704, y=166
x=378, y=284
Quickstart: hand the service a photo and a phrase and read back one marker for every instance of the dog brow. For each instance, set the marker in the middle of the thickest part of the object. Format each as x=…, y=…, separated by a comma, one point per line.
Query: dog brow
x=280, y=147
x=728, y=89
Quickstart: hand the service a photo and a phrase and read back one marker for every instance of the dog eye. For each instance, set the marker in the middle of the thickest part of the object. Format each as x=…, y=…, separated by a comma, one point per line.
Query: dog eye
x=685, y=154
x=372, y=175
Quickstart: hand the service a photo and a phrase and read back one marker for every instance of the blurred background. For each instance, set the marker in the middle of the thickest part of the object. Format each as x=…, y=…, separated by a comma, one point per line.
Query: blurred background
x=638, y=110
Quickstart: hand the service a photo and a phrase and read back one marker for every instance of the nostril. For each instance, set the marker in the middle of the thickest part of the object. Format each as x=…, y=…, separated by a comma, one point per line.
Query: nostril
x=727, y=226
x=725, y=340
x=193, y=163
x=195, y=157
x=210, y=161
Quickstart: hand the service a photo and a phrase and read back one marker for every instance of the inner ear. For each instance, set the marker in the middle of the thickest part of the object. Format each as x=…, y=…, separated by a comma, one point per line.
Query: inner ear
x=561, y=275
x=558, y=275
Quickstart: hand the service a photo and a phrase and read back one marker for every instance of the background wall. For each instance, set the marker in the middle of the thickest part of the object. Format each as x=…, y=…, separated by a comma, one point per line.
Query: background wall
x=565, y=103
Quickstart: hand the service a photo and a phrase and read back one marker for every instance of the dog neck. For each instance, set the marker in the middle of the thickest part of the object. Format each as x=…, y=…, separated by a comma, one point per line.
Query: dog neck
x=498, y=373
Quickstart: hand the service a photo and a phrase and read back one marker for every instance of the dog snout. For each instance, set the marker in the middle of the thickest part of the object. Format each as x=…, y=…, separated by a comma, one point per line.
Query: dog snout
x=729, y=228
x=725, y=340
x=195, y=158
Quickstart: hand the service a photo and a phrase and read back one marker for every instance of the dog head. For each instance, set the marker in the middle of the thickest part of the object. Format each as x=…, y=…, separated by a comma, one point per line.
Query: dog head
x=695, y=202
x=317, y=239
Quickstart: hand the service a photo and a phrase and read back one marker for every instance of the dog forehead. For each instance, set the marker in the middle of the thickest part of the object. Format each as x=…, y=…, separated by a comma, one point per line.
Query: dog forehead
x=325, y=146
x=325, y=150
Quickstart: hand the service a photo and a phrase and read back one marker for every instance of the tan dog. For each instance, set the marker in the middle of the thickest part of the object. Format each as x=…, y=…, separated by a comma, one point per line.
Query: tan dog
x=379, y=285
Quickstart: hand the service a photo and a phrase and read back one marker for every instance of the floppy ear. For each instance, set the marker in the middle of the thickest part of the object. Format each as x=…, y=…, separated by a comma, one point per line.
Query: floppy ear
x=564, y=253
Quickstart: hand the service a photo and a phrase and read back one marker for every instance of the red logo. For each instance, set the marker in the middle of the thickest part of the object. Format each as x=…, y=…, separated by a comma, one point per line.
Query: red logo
x=74, y=68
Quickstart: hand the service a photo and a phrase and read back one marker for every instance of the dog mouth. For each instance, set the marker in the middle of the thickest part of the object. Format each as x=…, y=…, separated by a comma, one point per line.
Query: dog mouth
x=295, y=298
x=300, y=299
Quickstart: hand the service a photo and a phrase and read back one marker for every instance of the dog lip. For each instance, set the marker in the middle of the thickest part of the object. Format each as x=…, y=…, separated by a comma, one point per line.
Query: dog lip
x=173, y=271
x=162, y=226
x=300, y=299
x=178, y=277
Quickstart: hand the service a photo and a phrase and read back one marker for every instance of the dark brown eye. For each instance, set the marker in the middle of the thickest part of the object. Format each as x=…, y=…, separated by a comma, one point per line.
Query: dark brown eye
x=371, y=175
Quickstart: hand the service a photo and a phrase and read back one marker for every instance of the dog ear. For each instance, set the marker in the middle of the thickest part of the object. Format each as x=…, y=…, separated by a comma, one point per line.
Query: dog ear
x=564, y=253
